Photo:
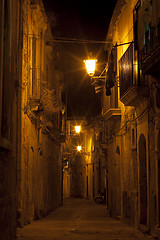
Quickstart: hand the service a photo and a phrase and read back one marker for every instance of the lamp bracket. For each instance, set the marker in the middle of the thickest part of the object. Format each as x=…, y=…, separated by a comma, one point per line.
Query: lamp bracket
x=121, y=44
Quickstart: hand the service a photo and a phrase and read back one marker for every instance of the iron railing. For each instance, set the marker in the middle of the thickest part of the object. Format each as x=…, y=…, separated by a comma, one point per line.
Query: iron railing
x=152, y=42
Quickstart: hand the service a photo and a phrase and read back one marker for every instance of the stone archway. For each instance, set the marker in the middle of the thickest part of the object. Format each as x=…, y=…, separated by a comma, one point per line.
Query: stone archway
x=158, y=161
x=143, y=180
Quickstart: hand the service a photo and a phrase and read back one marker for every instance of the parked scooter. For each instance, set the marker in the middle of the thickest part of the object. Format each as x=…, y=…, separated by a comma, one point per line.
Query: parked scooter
x=100, y=199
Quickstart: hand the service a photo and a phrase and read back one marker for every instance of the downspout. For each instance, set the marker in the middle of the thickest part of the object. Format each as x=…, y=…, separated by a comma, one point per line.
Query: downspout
x=18, y=120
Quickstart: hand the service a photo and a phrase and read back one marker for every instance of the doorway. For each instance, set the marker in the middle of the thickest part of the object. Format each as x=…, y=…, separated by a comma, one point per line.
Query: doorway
x=158, y=158
x=87, y=185
x=143, y=180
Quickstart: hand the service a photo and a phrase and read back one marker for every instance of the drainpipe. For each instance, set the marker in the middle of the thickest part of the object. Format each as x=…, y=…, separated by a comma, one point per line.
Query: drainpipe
x=18, y=120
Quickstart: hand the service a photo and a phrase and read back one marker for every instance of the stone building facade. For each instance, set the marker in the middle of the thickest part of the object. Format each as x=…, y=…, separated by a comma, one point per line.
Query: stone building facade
x=40, y=160
x=9, y=75
x=131, y=113
x=31, y=115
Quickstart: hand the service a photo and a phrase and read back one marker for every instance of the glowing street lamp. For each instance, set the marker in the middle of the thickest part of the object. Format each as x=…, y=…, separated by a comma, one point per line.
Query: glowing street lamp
x=79, y=148
x=78, y=129
x=90, y=66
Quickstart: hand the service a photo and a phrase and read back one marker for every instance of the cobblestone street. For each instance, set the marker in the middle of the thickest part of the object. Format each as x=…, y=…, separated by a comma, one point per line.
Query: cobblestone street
x=79, y=219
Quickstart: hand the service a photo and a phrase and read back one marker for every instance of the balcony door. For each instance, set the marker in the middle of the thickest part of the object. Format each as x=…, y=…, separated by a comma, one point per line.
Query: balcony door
x=158, y=158
x=143, y=180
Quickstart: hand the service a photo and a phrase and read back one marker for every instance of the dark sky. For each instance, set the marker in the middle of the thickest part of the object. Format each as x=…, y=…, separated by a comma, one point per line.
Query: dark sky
x=88, y=20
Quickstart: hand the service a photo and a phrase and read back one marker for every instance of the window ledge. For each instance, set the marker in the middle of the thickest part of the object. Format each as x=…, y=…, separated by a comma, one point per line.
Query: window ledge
x=5, y=144
x=135, y=95
x=112, y=114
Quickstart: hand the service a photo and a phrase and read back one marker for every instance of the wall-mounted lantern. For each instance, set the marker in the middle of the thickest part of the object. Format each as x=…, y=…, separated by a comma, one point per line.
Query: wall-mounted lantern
x=107, y=76
x=90, y=66
x=97, y=81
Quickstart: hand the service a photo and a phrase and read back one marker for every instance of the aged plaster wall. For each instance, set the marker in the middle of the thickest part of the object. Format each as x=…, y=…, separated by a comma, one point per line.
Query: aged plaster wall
x=138, y=133
x=30, y=154
x=114, y=203
x=40, y=175
x=8, y=117
x=123, y=165
x=40, y=160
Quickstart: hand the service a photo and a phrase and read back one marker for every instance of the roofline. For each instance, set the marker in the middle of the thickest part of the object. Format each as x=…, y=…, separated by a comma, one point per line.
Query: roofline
x=117, y=11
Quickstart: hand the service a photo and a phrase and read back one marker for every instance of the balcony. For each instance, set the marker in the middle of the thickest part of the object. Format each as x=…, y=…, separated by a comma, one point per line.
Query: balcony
x=112, y=114
x=133, y=88
x=135, y=95
x=150, y=54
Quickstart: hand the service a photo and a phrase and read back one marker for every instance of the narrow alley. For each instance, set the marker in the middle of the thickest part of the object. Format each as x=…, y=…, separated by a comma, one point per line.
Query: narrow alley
x=79, y=120
x=80, y=219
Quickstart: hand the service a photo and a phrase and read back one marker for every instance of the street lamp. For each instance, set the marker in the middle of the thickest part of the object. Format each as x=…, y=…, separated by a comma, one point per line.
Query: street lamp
x=78, y=129
x=90, y=66
x=97, y=81
x=107, y=76
x=79, y=148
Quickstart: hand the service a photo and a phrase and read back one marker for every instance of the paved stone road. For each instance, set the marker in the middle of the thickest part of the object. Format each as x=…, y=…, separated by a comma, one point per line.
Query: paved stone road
x=79, y=219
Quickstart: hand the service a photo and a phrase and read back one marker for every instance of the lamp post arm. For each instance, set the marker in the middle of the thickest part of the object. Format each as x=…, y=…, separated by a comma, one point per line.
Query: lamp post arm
x=121, y=44
x=100, y=78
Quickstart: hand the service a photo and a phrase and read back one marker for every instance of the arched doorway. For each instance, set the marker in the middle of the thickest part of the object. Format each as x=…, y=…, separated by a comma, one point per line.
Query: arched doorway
x=143, y=180
x=158, y=158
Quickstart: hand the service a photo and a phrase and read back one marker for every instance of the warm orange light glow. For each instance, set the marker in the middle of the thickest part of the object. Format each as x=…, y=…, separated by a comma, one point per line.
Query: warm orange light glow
x=79, y=148
x=78, y=129
x=90, y=66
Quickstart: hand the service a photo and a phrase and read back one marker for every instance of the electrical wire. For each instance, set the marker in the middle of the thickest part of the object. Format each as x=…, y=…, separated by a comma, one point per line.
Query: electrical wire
x=146, y=110
x=47, y=130
x=69, y=40
x=76, y=40
x=82, y=41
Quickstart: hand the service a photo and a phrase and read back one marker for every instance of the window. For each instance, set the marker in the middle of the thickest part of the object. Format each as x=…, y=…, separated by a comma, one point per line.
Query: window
x=34, y=80
x=1, y=55
x=34, y=46
x=134, y=135
x=126, y=71
x=158, y=98
x=5, y=66
x=135, y=24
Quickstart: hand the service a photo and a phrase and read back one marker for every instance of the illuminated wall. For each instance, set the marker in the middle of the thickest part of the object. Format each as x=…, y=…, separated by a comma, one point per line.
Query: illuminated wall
x=40, y=161
x=127, y=121
x=9, y=88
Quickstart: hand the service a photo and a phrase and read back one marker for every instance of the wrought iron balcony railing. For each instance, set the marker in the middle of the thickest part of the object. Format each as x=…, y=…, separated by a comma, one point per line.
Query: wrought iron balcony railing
x=132, y=86
x=150, y=54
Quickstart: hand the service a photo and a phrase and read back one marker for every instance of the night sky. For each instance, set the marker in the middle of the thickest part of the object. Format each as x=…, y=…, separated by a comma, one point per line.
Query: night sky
x=87, y=20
